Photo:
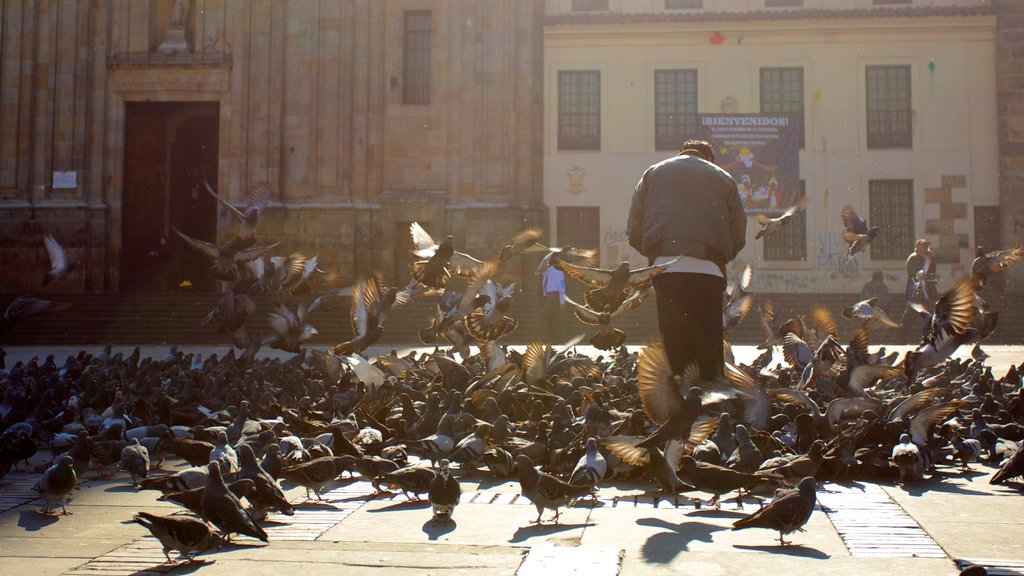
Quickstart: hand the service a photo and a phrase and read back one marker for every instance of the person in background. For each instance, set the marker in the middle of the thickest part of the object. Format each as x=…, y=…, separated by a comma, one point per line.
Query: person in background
x=687, y=206
x=553, y=291
x=876, y=288
x=921, y=278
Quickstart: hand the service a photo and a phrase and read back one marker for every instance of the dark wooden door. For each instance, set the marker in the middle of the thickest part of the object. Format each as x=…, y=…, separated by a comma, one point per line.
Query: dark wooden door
x=170, y=147
x=578, y=226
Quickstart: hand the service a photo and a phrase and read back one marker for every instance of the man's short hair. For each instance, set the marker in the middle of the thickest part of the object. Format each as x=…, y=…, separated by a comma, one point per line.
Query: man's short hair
x=701, y=148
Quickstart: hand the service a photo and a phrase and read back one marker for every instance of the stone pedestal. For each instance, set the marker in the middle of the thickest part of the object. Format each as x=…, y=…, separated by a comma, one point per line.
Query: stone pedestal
x=174, y=42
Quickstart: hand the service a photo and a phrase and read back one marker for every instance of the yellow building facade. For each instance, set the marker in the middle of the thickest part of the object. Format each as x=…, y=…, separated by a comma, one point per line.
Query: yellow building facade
x=898, y=104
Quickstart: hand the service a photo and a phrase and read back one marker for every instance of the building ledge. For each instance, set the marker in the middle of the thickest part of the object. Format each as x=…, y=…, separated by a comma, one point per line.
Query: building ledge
x=586, y=18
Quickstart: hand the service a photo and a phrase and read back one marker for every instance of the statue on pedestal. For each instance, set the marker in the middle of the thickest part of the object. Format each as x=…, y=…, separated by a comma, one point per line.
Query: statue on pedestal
x=174, y=38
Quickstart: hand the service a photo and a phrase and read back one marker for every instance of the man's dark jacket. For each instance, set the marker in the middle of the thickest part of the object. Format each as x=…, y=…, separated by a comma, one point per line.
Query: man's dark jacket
x=690, y=207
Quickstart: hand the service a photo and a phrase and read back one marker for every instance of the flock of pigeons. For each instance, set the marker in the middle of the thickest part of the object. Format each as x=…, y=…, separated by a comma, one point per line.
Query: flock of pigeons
x=560, y=422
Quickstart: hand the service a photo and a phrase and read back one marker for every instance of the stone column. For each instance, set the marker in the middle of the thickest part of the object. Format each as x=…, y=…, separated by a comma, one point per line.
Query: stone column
x=1010, y=108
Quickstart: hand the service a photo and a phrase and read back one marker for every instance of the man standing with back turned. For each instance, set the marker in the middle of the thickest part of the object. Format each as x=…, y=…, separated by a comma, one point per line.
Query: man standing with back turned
x=687, y=206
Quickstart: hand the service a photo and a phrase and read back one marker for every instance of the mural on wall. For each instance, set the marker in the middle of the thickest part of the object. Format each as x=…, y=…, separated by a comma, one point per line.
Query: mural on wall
x=762, y=154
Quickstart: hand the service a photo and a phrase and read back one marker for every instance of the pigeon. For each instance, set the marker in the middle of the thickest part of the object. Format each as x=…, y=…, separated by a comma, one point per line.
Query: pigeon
x=135, y=460
x=227, y=258
x=415, y=479
x=256, y=203
x=591, y=467
x=59, y=263
x=440, y=260
x=224, y=454
x=770, y=225
x=717, y=480
x=857, y=234
x=443, y=493
x=869, y=310
x=24, y=307
x=787, y=513
x=525, y=241
x=365, y=315
x=186, y=535
x=224, y=509
x=1012, y=468
x=908, y=459
x=192, y=499
x=545, y=490
x=266, y=495
x=674, y=413
x=987, y=263
x=610, y=288
x=316, y=473
x=57, y=482
x=946, y=328
x=607, y=338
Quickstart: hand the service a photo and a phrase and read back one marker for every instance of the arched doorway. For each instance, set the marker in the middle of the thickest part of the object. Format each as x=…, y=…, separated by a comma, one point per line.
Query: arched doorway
x=170, y=148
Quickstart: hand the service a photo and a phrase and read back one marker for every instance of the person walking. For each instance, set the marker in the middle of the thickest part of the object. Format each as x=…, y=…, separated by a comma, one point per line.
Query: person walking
x=553, y=290
x=687, y=206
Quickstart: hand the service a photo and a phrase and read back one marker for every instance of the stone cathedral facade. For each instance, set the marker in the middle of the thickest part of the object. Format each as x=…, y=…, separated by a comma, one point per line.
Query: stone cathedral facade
x=361, y=115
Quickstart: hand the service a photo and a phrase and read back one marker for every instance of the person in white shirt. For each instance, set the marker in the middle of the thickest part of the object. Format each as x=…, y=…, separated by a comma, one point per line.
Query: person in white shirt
x=553, y=291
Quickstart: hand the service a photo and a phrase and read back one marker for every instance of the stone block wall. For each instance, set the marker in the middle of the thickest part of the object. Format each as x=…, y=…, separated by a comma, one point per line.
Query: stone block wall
x=1010, y=109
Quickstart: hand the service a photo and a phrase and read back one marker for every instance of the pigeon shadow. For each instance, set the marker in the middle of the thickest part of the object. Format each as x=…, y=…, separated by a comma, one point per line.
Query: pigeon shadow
x=401, y=505
x=935, y=484
x=713, y=513
x=532, y=531
x=434, y=529
x=33, y=520
x=790, y=550
x=663, y=547
x=182, y=567
x=314, y=505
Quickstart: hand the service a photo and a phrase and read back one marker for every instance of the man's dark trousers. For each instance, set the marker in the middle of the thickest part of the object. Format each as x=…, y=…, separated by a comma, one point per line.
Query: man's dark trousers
x=690, y=321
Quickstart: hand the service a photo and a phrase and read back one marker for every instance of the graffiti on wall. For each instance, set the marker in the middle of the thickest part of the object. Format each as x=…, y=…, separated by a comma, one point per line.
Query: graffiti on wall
x=831, y=257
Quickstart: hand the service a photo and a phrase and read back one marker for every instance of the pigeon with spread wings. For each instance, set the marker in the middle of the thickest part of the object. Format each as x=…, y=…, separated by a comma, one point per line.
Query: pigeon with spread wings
x=947, y=327
x=607, y=338
x=60, y=265
x=438, y=261
x=226, y=258
x=857, y=234
x=577, y=256
x=770, y=225
x=610, y=288
x=988, y=263
x=249, y=216
x=365, y=317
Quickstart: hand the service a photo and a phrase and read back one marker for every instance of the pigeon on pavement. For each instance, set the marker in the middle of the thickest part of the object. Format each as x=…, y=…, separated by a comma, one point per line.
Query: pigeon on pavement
x=787, y=513
x=182, y=533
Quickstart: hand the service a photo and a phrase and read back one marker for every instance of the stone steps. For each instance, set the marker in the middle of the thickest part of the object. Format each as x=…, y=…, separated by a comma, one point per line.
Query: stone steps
x=175, y=318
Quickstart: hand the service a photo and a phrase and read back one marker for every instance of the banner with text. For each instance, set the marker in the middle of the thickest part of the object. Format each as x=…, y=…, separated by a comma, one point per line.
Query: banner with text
x=761, y=151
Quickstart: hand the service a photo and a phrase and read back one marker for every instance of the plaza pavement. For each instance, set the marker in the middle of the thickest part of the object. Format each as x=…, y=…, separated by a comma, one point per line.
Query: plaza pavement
x=867, y=529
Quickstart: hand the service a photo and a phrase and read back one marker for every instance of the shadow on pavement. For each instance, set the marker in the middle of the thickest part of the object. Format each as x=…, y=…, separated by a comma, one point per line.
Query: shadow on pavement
x=434, y=529
x=712, y=513
x=534, y=530
x=664, y=546
x=32, y=520
x=791, y=550
x=401, y=505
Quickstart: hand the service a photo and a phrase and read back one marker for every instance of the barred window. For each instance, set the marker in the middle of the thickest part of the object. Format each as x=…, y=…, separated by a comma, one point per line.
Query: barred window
x=783, y=3
x=790, y=241
x=673, y=4
x=416, y=72
x=589, y=5
x=888, y=107
x=782, y=92
x=892, y=210
x=579, y=110
x=675, y=107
